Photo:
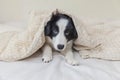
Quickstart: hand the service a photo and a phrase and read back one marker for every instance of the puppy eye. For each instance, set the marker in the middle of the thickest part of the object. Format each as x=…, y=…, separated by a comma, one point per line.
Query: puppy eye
x=55, y=31
x=67, y=33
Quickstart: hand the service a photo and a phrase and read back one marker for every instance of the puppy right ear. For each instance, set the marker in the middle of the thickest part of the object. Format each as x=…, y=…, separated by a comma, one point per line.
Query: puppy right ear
x=47, y=29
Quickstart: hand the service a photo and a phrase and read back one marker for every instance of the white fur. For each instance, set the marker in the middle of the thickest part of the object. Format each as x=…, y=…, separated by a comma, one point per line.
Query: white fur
x=60, y=38
x=69, y=54
x=47, y=53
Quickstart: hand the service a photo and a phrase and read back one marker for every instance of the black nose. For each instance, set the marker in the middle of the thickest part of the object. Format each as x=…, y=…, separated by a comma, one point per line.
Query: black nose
x=60, y=46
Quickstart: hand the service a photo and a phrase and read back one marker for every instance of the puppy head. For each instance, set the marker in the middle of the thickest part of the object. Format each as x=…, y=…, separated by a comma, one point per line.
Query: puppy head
x=60, y=28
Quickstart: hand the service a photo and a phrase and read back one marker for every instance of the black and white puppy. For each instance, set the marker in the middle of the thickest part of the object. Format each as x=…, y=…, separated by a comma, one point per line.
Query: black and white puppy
x=60, y=33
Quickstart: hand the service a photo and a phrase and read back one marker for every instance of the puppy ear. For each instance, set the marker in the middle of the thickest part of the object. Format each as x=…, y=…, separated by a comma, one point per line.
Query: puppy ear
x=75, y=34
x=47, y=29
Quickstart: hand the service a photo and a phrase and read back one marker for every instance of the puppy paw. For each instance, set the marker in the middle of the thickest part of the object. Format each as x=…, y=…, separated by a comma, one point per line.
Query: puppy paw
x=47, y=59
x=73, y=62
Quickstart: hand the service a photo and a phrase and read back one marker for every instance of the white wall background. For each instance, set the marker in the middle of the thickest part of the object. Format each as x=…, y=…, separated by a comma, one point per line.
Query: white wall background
x=11, y=10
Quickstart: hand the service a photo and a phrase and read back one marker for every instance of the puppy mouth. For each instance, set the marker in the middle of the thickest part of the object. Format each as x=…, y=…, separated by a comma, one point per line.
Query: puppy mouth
x=60, y=50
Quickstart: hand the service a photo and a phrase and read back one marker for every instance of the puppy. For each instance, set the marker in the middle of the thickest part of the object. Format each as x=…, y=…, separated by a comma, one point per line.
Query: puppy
x=60, y=33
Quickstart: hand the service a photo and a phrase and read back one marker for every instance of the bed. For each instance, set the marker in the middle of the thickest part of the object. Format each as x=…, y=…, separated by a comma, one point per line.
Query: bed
x=33, y=68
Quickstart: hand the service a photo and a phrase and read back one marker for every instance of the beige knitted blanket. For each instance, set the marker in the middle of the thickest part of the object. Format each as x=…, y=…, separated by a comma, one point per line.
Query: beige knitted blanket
x=98, y=40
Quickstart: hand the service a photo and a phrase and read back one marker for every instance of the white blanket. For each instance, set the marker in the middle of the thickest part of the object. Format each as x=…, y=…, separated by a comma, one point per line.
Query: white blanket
x=106, y=33
x=58, y=69
x=19, y=44
x=33, y=68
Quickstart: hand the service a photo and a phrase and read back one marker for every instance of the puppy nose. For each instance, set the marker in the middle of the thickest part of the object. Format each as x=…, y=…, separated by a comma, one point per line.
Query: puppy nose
x=60, y=46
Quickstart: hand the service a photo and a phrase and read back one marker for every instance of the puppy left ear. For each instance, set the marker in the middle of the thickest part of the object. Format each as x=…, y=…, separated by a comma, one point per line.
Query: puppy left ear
x=75, y=34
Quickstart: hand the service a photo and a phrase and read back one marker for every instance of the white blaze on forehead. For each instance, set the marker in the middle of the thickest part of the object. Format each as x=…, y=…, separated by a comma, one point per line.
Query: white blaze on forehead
x=62, y=23
x=60, y=38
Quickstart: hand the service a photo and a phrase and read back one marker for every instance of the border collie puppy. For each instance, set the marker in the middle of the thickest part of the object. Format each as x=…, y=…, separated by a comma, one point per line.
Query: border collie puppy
x=60, y=33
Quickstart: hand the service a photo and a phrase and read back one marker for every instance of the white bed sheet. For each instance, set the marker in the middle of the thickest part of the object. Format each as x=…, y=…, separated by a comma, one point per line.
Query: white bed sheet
x=33, y=68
